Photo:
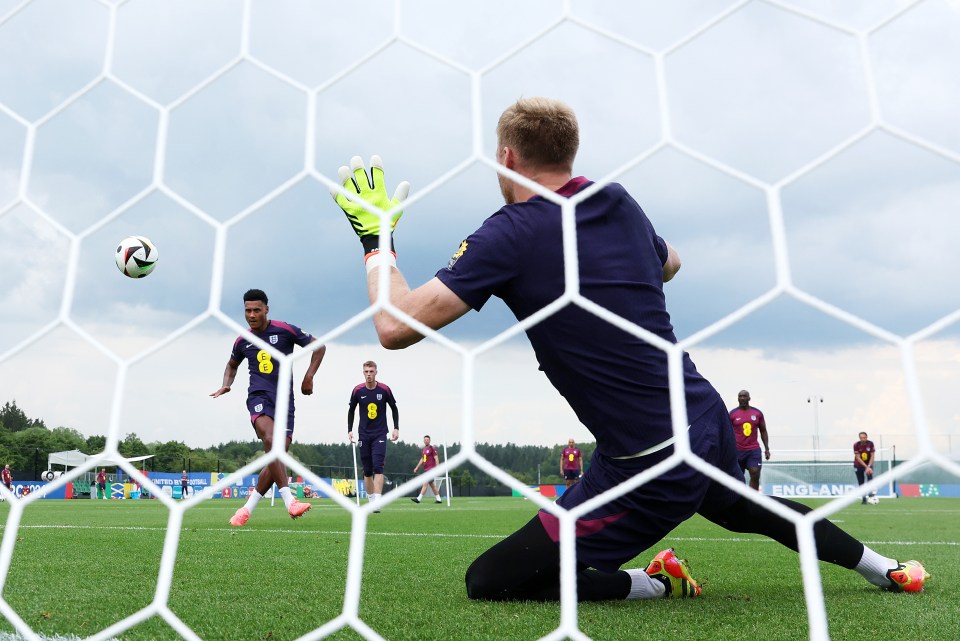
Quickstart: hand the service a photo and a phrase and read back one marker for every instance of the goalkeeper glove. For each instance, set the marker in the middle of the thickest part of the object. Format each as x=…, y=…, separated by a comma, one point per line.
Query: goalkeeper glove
x=371, y=190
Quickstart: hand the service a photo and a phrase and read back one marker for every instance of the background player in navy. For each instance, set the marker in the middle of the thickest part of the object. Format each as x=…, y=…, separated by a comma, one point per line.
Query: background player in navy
x=863, y=453
x=184, y=484
x=615, y=382
x=429, y=459
x=748, y=424
x=262, y=393
x=571, y=463
x=372, y=398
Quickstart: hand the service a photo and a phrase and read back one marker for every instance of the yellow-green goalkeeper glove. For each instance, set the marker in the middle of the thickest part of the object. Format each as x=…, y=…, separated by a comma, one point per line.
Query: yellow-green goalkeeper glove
x=371, y=189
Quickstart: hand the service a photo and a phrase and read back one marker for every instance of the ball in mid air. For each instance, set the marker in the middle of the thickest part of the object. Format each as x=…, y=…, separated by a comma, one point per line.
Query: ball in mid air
x=136, y=256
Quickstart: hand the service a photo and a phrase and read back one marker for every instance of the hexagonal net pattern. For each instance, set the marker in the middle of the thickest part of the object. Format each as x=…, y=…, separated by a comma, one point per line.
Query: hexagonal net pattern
x=165, y=103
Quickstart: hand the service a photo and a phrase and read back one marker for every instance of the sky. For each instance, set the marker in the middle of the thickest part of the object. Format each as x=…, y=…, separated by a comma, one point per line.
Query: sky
x=801, y=155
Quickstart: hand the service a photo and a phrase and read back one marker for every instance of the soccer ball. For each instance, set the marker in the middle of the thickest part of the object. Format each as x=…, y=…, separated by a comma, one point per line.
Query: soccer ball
x=873, y=499
x=136, y=256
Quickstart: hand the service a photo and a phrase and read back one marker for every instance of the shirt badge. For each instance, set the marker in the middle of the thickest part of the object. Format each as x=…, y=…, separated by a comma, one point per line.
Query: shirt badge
x=379, y=397
x=456, y=256
x=273, y=339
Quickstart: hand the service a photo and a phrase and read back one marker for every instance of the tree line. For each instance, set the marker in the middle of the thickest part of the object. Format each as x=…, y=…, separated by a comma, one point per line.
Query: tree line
x=26, y=442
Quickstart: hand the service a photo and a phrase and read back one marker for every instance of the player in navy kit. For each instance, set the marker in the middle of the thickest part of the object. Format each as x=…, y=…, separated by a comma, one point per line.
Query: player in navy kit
x=748, y=424
x=615, y=381
x=373, y=398
x=262, y=393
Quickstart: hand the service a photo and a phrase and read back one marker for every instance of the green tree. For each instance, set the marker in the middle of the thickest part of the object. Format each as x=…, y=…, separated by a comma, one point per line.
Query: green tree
x=95, y=444
x=169, y=456
x=66, y=438
x=31, y=447
x=14, y=419
x=464, y=480
x=205, y=460
x=131, y=446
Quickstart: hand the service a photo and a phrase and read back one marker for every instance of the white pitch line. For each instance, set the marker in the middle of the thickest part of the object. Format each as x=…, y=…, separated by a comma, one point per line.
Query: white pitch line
x=702, y=539
x=7, y=636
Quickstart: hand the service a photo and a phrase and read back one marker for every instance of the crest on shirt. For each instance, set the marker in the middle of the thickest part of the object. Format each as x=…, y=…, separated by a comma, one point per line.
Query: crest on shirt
x=273, y=339
x=258, y=407
x=379, y=397
x=456, y=256
x=753, y=417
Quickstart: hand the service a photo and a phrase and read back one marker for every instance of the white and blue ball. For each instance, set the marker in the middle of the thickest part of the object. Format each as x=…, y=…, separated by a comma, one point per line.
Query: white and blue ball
x=136, y=256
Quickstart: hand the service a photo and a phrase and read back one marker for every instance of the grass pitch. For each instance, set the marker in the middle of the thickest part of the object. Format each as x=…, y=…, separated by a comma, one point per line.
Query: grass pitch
x=81, y=565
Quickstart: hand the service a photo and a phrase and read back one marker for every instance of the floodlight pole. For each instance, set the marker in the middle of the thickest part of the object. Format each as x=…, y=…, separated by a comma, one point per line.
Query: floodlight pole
x=816, y=401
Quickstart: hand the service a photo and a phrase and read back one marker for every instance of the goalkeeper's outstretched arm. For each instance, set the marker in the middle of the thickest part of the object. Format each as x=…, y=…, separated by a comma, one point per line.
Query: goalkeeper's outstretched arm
x=432, y=304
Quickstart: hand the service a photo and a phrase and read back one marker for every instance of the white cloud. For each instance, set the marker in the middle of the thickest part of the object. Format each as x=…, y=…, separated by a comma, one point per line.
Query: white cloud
x=418, y=113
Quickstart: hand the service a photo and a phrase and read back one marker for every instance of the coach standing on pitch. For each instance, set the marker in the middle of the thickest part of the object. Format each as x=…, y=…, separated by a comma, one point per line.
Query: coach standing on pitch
x=616, y=382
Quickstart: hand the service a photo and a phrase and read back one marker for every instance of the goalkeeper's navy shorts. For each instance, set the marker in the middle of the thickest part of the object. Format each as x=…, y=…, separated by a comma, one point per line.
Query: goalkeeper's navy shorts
x=615, y=533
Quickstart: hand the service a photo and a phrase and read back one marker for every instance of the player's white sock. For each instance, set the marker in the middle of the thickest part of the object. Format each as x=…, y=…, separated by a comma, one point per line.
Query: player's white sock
x=419, y=497
x=873, y=567
x=644, y=586
x=286, y=495
x=252, y=501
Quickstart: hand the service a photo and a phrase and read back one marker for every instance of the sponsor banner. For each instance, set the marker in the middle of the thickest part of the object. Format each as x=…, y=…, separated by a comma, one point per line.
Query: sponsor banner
x=545, y=490
x=929, y=489
x=28, y=487
x=197, y=482
x=346, y=487
x=815, y=490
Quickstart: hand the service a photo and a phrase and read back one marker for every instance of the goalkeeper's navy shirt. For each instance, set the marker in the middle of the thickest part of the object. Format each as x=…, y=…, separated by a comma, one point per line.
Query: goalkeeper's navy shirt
x=264, y=369
x=615, y=382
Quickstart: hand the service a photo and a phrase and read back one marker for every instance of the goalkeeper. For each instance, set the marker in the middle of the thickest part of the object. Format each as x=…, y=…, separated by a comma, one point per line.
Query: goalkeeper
x=616, y=382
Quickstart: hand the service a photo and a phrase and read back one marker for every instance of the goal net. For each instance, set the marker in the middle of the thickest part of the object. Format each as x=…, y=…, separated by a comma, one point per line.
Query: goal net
x=221, y=125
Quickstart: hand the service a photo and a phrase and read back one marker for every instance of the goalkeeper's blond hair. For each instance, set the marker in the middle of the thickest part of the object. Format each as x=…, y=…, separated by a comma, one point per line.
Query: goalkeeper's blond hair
x=542, y=131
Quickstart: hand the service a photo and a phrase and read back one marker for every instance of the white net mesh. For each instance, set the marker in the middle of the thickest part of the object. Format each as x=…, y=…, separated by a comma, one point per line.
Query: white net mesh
x=802, y=86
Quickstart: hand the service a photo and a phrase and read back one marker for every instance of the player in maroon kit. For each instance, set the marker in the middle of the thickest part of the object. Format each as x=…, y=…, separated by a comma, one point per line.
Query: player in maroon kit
x=7, y=478
x=102, y=483
x=262, y=393
x=429, y=459
x=748, y=423
x=863, y=453
x=571, y=463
